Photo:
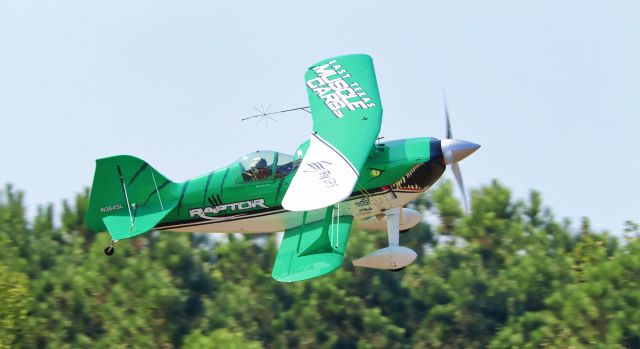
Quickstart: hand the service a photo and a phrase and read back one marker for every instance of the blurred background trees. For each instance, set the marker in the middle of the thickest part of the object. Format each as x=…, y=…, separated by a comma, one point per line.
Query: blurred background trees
x=508, y=275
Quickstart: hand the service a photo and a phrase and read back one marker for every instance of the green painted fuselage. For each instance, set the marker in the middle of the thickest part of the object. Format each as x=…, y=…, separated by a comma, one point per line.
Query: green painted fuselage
x=230, y=200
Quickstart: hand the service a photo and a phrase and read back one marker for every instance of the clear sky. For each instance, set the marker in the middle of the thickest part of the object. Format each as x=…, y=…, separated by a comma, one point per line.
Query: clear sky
x=549, y=88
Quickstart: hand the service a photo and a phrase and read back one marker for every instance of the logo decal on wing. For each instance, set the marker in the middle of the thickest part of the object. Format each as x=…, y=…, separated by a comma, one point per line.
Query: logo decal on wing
x=331, y=86
x=324, y=173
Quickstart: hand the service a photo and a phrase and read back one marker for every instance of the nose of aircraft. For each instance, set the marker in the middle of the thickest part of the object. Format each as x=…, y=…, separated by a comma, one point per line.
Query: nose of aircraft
x=455, y=150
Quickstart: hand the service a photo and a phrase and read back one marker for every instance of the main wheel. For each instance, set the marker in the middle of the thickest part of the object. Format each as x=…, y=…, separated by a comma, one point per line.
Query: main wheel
x=109, y=250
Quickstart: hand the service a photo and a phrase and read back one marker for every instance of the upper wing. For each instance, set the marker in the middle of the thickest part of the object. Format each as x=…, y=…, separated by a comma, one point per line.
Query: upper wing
x=312, y=249
x=346, y=112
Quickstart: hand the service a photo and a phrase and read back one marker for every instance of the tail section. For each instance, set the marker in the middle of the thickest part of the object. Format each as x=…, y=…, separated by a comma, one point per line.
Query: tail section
x=129, y=197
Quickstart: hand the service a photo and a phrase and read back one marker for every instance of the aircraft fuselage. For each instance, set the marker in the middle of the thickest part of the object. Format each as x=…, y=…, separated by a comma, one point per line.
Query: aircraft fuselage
x=225, y=201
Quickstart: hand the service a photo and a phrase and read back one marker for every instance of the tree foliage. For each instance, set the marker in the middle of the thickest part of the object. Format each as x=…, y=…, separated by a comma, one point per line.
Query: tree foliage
x=508, y=275
x=15, y=298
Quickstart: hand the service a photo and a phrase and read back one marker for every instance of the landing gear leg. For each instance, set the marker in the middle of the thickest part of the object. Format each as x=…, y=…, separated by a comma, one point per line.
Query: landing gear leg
x=394, y=257
x=393, y=233
x=109, y=250
x=393, y=226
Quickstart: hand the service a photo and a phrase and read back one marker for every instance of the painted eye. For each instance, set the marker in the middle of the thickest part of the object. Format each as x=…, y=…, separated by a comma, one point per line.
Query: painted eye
x=374, y=172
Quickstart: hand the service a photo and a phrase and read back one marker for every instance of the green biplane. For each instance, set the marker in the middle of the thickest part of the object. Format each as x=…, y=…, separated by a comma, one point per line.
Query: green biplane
x=339, y=176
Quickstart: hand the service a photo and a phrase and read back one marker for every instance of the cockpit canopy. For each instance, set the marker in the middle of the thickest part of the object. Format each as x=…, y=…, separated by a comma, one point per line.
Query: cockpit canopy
x=263, y=165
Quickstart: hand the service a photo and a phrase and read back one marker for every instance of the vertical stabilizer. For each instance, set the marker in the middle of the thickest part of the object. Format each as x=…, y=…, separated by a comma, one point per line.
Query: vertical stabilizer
x=128, y=197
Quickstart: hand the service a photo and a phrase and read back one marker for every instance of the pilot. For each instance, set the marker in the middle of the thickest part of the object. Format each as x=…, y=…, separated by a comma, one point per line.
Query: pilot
x=259, y=169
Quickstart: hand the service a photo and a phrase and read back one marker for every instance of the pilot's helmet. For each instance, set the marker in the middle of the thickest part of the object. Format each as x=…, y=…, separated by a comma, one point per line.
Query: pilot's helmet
x=258, y=163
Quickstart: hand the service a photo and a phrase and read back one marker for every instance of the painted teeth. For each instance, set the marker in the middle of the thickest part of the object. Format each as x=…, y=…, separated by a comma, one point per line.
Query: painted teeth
x=403, y=181
x=413, y=170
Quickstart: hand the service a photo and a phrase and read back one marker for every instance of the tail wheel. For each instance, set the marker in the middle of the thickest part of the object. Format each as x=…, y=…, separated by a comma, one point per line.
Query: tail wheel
x=109, y=250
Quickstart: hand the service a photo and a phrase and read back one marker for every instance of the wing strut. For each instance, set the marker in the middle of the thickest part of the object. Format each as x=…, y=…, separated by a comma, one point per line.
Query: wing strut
x=335, y=219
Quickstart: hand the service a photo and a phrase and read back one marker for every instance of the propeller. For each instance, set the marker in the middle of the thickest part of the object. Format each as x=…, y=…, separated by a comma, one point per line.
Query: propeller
x=454, y=150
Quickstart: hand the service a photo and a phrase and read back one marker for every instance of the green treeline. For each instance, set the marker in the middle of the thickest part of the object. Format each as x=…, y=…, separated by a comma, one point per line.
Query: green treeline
x=509, y=275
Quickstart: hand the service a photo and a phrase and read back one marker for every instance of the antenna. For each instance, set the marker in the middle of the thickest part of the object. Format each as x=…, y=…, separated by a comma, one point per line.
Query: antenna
x=264, y=113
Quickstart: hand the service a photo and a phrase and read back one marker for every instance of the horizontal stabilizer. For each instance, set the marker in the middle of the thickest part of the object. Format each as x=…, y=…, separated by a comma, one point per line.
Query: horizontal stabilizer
x=123, y=226
x=312, y=249
x=142, y=219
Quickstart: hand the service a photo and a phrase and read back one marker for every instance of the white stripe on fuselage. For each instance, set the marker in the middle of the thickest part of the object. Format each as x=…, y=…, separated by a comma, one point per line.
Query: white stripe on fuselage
x=360, y=207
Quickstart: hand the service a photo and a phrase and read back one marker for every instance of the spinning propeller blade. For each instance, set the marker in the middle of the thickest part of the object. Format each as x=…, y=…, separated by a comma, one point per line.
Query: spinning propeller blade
x=455, y=150
x=446, y=114
x=456, y=172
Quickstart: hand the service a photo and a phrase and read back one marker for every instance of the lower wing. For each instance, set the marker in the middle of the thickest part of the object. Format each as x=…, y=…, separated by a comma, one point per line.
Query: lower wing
x=312, y=249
